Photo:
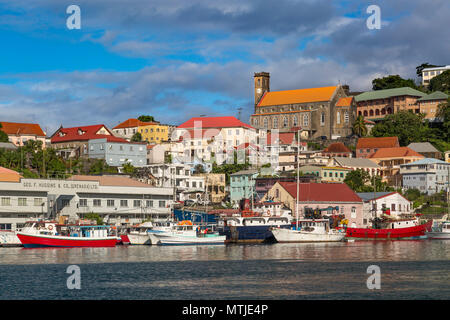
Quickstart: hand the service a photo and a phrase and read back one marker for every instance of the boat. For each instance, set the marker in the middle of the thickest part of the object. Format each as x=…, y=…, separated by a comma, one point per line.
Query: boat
x=439, y=231
x=51, y=234
x=157, y=228
x=309, y=230
x=186, y=233
x=390, y=228
x=137, y=234
x=252, y=226
x=9, y=239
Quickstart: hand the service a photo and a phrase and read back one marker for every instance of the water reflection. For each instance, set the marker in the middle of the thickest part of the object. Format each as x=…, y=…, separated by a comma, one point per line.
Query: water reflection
x=354, y=251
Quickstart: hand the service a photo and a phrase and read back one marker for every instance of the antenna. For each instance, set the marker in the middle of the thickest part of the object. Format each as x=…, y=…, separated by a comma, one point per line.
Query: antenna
x=239, y=113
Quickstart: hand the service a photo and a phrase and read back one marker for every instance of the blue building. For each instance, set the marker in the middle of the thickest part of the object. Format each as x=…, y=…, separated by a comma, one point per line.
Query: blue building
x=118, y=152
x=427, y=175
x=242, y=185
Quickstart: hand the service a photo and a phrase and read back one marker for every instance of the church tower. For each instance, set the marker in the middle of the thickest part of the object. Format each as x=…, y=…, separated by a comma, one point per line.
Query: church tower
x=262, y=85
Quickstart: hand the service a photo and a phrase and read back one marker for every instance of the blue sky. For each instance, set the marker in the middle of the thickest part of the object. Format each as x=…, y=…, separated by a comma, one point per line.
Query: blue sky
x=175, y=59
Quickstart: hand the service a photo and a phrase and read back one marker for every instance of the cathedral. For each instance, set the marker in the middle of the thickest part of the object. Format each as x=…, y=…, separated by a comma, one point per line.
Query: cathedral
x=325, y=112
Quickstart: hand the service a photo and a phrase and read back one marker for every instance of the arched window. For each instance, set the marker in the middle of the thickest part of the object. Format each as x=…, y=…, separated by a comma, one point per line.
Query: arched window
x=255, y=122
x=346, y=117
x=377, y=112
x=338, y=117
x=285, y=122
x=322, y=118
x=266, y=123
x=275, y=122
x=305, y=120
x=365, y=113
x=371, y=113
x=359, y=113
x=295, y=121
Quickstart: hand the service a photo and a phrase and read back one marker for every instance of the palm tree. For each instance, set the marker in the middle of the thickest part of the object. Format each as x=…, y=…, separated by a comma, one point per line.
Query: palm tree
x=359, y=126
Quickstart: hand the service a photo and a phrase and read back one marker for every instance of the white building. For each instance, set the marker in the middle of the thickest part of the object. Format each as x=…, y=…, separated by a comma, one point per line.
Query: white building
x=118, y=200
x=375, y=204
x=178, y=177
x=203, y=137
x=430, y=73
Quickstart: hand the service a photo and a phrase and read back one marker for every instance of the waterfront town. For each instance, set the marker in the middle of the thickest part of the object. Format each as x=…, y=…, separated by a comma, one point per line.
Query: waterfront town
x=303, y=153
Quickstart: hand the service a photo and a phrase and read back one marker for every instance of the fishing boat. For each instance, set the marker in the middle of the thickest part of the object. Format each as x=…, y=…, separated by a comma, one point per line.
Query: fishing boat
x=389, y=228
x=309, y=230
x=439, y=231
x=137, y=234
x=254, y=225
x=9, y=239
x=52, y=234
x=186, y=233
x=157, y=228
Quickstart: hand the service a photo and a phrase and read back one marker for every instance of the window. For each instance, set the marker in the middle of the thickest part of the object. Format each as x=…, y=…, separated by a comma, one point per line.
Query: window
x=162, y=204
x=237, y=131
x=295, y=121
x=110, y=203
x=137, y=203
x=285, y=122
x=266, y=123
x=393, y=207
x=194, y=184
x=275, y=122
x=37, y=202
x=338, y=117
x=353, y=212
x=22, y=201
x=6, y=201
x=5, y=226
x=83, y=202
x=322, y=118
x=124, y=203
x=305, y=120
x=97, y=203
x=346, y=117
x=149, y=203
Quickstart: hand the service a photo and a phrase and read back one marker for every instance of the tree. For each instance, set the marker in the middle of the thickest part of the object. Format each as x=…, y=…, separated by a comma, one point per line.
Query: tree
x=391, y=82
x=441, y=82
x=443, y=112
x=94, y=216
x=199, y=169
x=407, y=126
x=3, y=135
x=359, y=126
x=357, y=180
x=145, y=118
x=128, y=168
x=420, y=68
x=137, y=137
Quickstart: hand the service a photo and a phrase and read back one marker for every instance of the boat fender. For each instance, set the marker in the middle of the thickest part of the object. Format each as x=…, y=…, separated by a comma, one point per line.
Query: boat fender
x=50, y=227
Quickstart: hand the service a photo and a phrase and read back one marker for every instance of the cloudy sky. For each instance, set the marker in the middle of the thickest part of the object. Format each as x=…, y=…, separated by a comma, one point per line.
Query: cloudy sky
x=175, y=59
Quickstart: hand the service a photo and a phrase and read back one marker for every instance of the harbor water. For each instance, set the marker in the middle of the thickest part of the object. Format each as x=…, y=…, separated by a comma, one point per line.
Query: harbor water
x=409, y=270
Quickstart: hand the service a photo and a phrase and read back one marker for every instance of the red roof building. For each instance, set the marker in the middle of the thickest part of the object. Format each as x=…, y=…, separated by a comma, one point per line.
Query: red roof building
x=20, y=133
x=337, y=149
x=214, y=122
x=365, y=147
x=84, y=133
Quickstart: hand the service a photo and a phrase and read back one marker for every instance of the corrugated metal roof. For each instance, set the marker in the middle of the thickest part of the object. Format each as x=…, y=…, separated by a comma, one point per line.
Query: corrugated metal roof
x=388, y=93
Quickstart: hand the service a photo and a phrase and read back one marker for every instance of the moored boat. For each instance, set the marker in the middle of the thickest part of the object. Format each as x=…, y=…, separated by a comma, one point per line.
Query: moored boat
x=50, y=234
x=138, y=234
x=186, y=233
x=439, y=231
x=9, y=239
x=309, y=230
x=391, y=229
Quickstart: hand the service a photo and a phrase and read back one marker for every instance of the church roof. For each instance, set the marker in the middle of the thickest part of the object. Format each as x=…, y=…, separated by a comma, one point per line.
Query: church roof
x=274, y=98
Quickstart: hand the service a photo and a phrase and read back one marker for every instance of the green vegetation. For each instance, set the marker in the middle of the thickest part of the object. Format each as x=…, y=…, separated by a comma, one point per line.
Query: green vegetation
x=359, y=127
x=137, y=137
x=427, y=204
x=199, y=169
x=145, y=118
x=229, y=169
x=128, y=168
x=3, y=135
x=410, y=127
x=391, y=82
x=423, y=66
x=94, y=216
x=441, y=82
x=360, y=181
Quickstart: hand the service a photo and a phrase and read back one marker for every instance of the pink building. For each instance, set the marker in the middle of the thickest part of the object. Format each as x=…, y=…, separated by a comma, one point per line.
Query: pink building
x=320, y=196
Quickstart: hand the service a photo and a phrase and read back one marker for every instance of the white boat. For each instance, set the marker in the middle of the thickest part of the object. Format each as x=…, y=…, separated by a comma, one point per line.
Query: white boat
x=138, y=235
x=309, y=230
x=439, y=230
x=185, y=233
x=157, y=228
x=9, y=239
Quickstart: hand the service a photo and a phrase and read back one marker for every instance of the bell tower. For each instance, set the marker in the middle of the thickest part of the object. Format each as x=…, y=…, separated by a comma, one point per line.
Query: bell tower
x=262, y=85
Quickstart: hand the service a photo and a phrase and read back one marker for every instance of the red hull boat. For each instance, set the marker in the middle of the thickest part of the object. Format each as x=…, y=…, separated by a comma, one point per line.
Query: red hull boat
x=31, y=241
x=407, y=233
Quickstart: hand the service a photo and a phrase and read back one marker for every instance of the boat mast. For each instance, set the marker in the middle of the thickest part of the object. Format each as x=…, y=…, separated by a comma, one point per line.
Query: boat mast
x=298, y=177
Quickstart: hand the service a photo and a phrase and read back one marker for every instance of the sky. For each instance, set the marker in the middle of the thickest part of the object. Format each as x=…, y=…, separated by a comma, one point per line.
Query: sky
x=176, y=59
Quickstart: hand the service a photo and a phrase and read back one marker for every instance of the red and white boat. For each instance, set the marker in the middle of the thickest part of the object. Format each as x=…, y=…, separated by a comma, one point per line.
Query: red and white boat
x=50, y=234
x=391, y=229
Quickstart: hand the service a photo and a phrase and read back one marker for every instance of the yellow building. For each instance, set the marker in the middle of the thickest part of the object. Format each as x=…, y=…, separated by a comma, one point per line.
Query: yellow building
x=154, y=133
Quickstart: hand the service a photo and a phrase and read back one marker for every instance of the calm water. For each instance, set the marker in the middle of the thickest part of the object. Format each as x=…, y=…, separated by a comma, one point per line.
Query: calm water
x=409, y=270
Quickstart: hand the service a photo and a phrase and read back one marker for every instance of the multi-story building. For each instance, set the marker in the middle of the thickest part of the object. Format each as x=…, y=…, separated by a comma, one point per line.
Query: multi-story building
x=426, y=175
x=365, y=147
x=215, y=184
x=282, y=149
x=117, y=153
x=379, y=203
x=429, y=104
x=447, y=156
x=426, y=149
x=356, y=164
x=324, y=111
x=242, y=185
x=118, y=200
x=375, y=105
x=154, y=132
x=203, y=138
x=430, y=73
x=179, y=177
x=334, y=174
x=390, y=160
x=129, y=128
x=337, y=149
x=20, y=133
x=320, y=196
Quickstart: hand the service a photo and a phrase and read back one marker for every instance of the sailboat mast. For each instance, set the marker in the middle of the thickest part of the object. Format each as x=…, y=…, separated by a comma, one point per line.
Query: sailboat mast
x=298, y=178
